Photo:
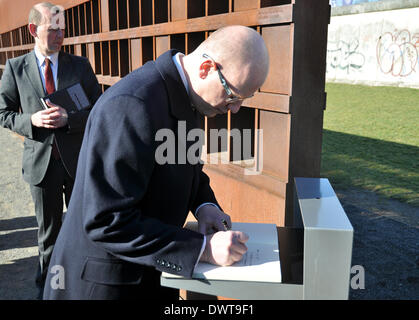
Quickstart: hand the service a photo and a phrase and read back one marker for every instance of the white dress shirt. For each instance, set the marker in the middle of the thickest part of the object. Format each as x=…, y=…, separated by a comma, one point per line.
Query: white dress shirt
x=176, y=61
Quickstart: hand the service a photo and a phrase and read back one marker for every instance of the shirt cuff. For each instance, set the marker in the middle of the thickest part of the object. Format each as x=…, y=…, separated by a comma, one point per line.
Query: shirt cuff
x=202, y=251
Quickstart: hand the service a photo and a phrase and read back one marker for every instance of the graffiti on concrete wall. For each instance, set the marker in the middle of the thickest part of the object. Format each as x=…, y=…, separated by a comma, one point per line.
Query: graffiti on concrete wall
x=397, y=53
x=344, y=56
x=375, y=48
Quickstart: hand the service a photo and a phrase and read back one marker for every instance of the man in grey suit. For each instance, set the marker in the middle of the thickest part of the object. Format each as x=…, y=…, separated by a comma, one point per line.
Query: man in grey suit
x=53, y=136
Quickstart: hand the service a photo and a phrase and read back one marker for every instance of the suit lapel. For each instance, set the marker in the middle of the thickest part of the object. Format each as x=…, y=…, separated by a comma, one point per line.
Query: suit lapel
x=65, y=74
x=180, y=105
x=32, y=72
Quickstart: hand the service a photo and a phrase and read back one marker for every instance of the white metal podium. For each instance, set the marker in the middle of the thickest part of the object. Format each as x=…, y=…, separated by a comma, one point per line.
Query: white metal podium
x=315, y=253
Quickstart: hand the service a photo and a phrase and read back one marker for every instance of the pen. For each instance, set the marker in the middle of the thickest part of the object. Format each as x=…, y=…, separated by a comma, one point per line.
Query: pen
x=226, y=227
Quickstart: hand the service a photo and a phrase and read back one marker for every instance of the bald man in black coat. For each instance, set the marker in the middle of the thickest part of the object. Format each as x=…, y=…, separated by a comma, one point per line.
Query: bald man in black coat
x=124, y=222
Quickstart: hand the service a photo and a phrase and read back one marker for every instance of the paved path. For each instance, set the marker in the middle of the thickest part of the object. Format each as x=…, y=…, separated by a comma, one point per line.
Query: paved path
x=386, y=238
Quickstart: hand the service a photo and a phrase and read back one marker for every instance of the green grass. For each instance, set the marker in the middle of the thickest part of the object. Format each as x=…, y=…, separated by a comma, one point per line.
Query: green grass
x=371, y=140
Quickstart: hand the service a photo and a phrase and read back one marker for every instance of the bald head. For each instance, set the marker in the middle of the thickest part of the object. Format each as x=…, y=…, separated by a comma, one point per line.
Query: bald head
x=238, y=50
x=225, y=69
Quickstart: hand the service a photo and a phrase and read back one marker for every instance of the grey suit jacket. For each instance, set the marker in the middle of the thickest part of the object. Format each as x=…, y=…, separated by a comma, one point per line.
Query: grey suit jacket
x=20, y=91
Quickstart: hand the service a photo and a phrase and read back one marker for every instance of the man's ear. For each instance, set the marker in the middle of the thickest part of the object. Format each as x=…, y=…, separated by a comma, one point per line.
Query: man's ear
x=32, y=29
x=205, y=67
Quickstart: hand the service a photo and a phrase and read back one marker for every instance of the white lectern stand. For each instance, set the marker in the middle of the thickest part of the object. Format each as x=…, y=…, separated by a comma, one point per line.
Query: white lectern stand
x=315, y=254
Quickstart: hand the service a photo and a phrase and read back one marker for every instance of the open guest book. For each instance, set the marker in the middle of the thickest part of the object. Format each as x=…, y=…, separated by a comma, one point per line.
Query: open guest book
x=260, y=263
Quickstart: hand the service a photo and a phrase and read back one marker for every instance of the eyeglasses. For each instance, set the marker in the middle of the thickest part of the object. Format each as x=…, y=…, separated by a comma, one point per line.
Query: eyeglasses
x=231, y=98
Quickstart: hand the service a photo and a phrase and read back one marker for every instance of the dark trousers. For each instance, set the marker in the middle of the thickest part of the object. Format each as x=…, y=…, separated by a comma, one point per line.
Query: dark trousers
x=48, y=199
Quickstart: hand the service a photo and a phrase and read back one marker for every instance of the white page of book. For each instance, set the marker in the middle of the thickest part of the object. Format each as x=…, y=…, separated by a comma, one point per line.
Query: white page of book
x=260, y=263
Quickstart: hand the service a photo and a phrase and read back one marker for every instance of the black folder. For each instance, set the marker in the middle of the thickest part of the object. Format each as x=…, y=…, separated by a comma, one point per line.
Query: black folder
x=72, y=98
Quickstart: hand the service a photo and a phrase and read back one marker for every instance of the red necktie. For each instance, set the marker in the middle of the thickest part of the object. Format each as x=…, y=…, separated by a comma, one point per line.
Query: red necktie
x=50, y=88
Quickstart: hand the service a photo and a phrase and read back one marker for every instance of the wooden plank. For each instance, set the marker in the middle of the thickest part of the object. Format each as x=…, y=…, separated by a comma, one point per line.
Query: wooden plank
x=276, y=141
x=178, y=10
x=266, y=16
x=91, y=55
x=257, y=198
x=162, y=45
x=279, y=42
x=104, y=14
x=77, y=50
x=136, y=54
x=241, y=5
x=22, y=47
x=107, y=80
x=14, y=14
x=269, y=101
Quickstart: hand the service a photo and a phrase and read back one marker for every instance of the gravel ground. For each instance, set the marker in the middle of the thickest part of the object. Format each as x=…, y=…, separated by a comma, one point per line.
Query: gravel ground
x=386, y=237
x=18, y=227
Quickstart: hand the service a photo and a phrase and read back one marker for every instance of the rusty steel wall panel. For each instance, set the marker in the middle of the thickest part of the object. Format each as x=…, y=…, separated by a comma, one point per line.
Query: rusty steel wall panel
x=246, y=201
x=14, y=14
x=278, y=39
x=241, y=5
x=136, y=60
x=162, y=45
x=178, y=10
x=276, y=137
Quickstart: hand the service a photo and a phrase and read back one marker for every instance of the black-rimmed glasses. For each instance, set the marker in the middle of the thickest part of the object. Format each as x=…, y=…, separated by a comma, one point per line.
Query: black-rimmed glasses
x=231, y=98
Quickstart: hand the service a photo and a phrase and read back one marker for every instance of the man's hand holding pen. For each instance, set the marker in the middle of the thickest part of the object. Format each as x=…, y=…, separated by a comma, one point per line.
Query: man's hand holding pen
x=223, y=246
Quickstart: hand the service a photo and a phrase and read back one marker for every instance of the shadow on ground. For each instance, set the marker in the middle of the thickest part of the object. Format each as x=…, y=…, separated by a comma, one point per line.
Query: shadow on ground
x=388, y=168
x=385, y=244
x=18, y=279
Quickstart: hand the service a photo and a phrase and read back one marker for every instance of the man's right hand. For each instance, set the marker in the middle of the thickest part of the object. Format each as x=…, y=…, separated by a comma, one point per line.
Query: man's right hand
x=225, y=247
x=52, y=118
